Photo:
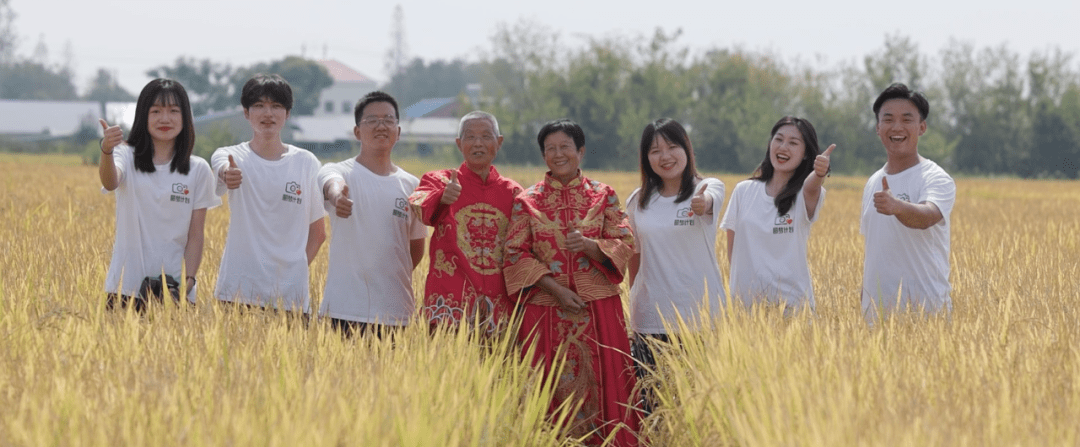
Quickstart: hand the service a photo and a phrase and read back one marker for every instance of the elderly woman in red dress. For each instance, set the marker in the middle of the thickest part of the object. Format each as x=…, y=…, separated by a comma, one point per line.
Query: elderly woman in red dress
x=567, y=246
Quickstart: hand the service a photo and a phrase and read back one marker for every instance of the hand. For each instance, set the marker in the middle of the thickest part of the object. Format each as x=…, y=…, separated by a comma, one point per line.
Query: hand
x=822, y=164
x=575, y=242
x=232, y=175
x=342, y=203
x=569, y=301
x=112, y=136
x=884, y=202
x=452, y=191
x=701, y=204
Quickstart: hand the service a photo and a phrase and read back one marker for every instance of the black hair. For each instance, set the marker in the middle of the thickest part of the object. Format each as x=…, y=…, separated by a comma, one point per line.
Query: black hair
x=564, y=125
x=165, y=92
x=786, y=198
x=272, y=87
x=674, y=133
x=375, y=96
x=900, y=91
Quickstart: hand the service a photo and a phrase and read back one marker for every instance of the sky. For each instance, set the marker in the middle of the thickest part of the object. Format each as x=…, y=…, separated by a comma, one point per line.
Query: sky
x=129, y=37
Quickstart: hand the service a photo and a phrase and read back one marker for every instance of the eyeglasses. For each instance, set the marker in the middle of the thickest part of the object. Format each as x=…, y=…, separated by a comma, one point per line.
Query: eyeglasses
x=375, y=122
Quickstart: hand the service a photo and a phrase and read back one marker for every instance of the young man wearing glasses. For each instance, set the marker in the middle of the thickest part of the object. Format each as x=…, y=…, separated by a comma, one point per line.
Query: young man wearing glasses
x=275, y=228
x=376, y=239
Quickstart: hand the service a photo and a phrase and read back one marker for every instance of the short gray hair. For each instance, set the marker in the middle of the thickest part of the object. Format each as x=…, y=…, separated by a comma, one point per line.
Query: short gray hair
x=477, y=115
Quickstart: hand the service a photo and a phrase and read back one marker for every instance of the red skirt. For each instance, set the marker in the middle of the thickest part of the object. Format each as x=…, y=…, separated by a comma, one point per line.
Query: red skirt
x=598, y=369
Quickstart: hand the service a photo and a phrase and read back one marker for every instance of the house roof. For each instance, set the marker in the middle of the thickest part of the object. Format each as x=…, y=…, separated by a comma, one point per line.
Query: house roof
x=426, y=106
x=343, y=73
x=40, y=117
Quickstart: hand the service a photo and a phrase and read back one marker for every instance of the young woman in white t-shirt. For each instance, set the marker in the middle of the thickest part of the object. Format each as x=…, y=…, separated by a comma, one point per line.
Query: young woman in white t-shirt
x=162, y=194
x=673, y=272
x=769, y=216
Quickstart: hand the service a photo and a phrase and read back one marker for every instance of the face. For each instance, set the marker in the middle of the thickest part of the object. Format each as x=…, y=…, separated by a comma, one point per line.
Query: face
x=378, y=128
x=266, y=117
x=479, y=144
x=787, y=148
x=562, y=156
x=165, y=121
x=899, y=127
x=668, y=160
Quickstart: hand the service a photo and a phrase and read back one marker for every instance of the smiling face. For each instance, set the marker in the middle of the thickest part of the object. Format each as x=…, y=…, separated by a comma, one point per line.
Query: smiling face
x=668, y=160
x=164, y=121
x=562, y=157
x=787, y=149
x=899, y=126
x=267, y=117
x=375, y=132
x=479, y=144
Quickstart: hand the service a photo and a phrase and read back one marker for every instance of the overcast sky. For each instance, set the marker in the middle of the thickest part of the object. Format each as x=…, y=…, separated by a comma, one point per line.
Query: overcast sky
x=132, y=36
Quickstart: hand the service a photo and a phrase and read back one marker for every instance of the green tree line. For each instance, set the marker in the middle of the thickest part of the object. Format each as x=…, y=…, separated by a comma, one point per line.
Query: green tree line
x=993, y=112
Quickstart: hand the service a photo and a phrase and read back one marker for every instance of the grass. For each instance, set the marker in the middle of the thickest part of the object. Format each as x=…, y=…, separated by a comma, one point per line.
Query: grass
x=1002, y=370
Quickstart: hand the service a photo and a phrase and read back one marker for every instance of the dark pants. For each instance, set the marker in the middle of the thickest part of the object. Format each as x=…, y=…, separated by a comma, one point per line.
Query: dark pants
x=644, y=367
x=350, y=328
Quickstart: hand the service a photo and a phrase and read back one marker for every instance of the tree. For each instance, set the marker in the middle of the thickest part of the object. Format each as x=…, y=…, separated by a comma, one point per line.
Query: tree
x=32, y=80
x=8, y=37
x=437, y=79
x=209, y=84
x=104, y=88
x=306, y=77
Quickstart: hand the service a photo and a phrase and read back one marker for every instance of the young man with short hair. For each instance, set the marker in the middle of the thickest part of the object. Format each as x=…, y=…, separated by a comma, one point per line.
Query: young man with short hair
x=905, y=215
x=376, y=239
x=275, y=216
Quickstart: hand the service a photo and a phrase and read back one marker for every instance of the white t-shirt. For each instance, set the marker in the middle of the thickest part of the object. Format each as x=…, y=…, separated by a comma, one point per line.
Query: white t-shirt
x=905, y=266
x=768, y=259
x=370, y=275
x=678, y=261
x=153, y=214
x=265, y=258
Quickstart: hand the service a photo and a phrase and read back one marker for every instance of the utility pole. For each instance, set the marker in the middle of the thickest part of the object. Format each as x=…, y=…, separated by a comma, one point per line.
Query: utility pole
x=396, y=55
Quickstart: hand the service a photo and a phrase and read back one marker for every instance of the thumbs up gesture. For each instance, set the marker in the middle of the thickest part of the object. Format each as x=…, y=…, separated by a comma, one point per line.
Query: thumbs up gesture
x=342, y=202
x=575, y=242
x=113, y=136
x=884, y=201
x=452, y=191
x=822, y=163
x=232, y=174
x=701, y=204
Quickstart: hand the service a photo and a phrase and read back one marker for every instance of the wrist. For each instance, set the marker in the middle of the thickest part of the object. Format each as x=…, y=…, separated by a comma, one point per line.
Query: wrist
x=100, y=146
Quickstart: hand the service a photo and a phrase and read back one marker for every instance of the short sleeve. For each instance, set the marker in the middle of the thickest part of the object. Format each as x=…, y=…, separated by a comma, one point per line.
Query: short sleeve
x=731, y=216
x=631, y=212
x=203, y=179
x=327, y=173
x=715, y=190
x=219, y=161
x=315, y=207
x=940, y=190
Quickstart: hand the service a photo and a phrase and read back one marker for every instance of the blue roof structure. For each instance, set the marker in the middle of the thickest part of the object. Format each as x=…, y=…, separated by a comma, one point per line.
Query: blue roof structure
x=426, y=106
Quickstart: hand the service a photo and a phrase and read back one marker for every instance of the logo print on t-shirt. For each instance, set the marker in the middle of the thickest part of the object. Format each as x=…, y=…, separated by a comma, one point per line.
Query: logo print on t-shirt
x=401, y=208
x=179, y=190
x=683, y=217
x=292, y=193
x=782, y=225
x=903, y=196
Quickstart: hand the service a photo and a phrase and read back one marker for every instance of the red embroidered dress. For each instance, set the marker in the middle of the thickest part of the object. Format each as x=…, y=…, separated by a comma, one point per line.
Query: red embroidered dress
x=465, y=254
x=598, y=366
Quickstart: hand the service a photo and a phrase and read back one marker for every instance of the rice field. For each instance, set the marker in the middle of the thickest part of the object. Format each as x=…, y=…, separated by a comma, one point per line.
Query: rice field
x=1003, y=369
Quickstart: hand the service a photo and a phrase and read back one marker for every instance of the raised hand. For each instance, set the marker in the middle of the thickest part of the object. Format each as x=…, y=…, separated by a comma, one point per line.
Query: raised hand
x=884, y=202
x=822, y=163
x=113, y=136
x=232, y=175
x=342, y=202
x=452, y=191
x=701, y=204
x=575, y=242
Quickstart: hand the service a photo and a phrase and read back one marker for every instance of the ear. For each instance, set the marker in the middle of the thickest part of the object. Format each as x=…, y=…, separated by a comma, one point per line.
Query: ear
x=356, y=132
x=246, y=115
x=922, y=127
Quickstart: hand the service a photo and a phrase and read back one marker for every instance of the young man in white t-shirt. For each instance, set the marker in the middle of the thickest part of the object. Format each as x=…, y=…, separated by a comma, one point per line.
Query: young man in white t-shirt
x=376, y=240
x=905, y=215
x=276, y=216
